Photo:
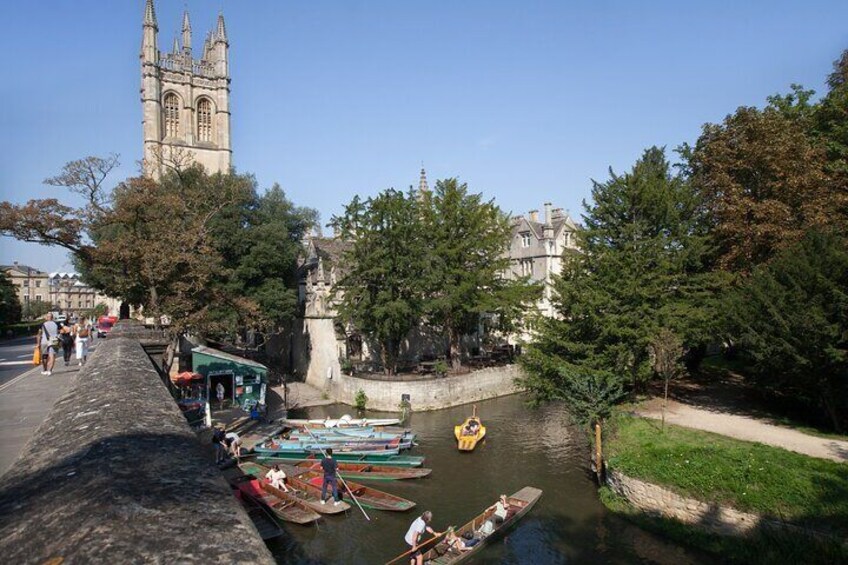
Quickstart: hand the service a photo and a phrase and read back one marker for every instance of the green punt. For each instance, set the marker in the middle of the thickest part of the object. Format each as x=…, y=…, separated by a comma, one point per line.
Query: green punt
x=390, y=460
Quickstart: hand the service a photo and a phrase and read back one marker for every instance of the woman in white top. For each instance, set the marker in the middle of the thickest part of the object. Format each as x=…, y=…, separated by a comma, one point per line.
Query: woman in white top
x=82, y=330
x=276, y=477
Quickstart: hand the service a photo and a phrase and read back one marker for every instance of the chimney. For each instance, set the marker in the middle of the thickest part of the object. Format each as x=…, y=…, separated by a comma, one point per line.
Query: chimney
x=548, y=207
x=557, y=213
x=533, y=215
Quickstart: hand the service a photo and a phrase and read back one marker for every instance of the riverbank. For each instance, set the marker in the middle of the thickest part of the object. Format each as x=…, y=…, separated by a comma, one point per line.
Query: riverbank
x=725, y=483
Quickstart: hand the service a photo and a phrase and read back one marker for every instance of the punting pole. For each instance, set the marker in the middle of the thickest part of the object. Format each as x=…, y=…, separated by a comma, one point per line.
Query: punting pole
x=324, y=453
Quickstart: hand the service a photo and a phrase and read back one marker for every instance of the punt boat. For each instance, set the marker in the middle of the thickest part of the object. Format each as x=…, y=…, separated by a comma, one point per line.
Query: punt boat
x=369, y=471
x=305, y=498
x=376, y=457
x=286, y=508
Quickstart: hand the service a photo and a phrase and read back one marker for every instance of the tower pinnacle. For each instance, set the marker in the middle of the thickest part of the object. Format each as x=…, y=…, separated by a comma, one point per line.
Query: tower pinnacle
x=186, y=32
x=422, y=182
x=150, y=15
x=221, y=32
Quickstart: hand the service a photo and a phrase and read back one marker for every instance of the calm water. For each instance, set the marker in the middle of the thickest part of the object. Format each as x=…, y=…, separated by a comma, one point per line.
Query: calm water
x=524, y=446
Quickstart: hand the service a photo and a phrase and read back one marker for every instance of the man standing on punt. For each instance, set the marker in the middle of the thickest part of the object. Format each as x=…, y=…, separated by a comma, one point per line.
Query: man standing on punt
x=330, y=467
x=413, y=536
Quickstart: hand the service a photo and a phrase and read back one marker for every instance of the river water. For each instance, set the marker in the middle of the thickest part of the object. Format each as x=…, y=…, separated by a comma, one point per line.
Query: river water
x=524, y=447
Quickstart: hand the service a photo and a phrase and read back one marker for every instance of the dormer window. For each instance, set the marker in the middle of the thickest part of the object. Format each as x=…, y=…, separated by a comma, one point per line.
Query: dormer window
x=525, y=239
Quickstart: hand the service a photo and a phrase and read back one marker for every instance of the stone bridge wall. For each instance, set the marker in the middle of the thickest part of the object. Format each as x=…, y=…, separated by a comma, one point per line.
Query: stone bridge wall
x=115, y=475
x=429, y=394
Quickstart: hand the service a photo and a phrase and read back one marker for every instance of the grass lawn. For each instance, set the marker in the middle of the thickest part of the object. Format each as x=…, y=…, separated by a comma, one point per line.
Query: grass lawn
x=748, y=476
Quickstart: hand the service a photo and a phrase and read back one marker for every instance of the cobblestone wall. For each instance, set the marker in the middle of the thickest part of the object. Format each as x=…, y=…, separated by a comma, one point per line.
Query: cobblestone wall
x=115, y=475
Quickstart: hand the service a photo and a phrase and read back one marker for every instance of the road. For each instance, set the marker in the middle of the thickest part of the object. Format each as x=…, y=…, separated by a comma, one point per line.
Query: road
x=15, y=357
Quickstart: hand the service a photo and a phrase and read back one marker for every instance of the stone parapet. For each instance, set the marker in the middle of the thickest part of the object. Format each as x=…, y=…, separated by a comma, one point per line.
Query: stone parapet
x=115, y=475
x=430, y=394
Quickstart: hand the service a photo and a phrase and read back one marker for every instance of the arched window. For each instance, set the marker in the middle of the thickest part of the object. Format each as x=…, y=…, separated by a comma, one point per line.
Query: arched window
x=172, y=115
x=204, y=120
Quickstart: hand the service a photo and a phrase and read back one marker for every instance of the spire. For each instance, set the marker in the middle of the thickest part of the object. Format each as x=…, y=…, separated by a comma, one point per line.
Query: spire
x=150, y=15
x=176, y=45
x=186, y=32
x=422, y=182
x=221, y=32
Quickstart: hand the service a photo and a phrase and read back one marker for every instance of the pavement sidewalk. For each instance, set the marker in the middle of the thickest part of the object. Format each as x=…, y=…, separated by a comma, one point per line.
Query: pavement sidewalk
x=25, y=402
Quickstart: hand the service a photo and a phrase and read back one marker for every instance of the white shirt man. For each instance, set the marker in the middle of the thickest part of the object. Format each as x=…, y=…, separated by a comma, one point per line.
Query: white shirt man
x=413, y=535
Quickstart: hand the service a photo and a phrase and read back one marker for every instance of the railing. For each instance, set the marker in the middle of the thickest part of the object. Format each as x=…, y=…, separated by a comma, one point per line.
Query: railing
x=178, y=63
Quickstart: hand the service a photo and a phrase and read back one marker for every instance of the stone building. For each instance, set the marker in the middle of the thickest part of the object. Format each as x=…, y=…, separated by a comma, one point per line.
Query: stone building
x=72, y=296
x=537, y=248
x=31, y=283
x=185, y=100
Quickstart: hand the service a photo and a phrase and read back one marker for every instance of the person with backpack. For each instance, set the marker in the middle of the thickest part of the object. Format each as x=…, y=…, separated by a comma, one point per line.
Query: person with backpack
x=48, y=341
x=82, y=330
x=66, y=337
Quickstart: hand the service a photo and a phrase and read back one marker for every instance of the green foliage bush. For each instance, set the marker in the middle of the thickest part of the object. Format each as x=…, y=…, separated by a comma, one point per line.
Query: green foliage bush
x=360, y=400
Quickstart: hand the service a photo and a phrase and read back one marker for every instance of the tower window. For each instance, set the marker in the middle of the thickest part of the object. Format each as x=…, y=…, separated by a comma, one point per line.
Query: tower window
x=204, y=120
x=172, y=115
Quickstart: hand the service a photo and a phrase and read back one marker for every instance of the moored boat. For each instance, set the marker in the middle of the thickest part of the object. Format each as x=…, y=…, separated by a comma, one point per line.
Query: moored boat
x=369, y=471
x=469, y=433
x=378, y=458
x=306, y=498
x=367, y=497
x=346, y=420
x=441, y=553
x=282, y=446
x=335, y=437
x=286, y=508
x=261, y=517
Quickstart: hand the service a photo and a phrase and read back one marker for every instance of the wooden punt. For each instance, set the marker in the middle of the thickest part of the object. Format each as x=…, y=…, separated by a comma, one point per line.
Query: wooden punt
x=467, y=441
x=368, y=497
x=346, y=421
x=305, y=497
x=369, y=471
x=262, y=519
x=273, y=447
x=375, y=458
x=440, y=554
x=286, y=508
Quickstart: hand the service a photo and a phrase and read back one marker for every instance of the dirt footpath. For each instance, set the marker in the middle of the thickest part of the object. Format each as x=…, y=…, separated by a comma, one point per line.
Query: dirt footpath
x=748, y=429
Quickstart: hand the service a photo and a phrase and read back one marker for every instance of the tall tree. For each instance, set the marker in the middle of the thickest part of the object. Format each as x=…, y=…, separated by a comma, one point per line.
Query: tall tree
x=639, y=268
x=763, y=181
x=385, y=269
x=467, y=239
x=791, y=317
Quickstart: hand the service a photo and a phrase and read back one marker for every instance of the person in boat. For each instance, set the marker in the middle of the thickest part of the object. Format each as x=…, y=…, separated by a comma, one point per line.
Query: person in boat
x=502, y=509
x=276, y=477
x=233, y=442
x=486, y=529
x=414, y=533
x=473, y=426
x=330, y=467
x=457, y=543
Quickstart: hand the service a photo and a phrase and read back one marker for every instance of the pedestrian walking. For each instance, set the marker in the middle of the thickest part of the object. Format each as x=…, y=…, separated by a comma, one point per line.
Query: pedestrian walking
x=82, y=331
x=414, y=533
x=66, y=336
x=330, y=467
x=48, y=340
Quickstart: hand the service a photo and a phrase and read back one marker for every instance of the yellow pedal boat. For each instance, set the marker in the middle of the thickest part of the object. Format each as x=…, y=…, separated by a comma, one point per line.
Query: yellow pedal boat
x=469, y=433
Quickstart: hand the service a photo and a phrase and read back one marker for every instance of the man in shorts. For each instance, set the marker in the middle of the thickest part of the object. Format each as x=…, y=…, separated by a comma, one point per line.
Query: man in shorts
x=48, y=341
x=413, y=536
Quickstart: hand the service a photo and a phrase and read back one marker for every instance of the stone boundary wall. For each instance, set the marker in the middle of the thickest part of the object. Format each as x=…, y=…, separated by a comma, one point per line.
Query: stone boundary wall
x=115, y=475
x=430, y=394
x=659, y=501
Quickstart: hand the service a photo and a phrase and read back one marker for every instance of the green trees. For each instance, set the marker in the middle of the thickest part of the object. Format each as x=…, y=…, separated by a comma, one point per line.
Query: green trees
x=10, y=306
x=467, y=238
x=385, y=269
x=205, y=251
x=434, y=257
x=791, y=319
x=641, y=264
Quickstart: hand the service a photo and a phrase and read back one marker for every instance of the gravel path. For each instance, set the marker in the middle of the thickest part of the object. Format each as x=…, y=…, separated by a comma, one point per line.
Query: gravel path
x=748, y=429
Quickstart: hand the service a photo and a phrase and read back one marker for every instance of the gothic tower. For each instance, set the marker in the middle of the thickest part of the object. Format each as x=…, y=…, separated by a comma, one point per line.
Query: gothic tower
x=185, y=101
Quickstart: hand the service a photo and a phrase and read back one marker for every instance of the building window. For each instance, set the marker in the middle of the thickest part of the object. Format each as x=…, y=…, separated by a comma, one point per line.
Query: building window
x=26, y=299
x=525, y=239
x=37, y=284
x=25, y=282
x=526, y=267
x=204, y=120
x=172, y=115
x=38, y=298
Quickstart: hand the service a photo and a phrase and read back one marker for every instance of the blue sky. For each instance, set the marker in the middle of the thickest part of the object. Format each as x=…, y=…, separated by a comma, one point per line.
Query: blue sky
x=525, y=101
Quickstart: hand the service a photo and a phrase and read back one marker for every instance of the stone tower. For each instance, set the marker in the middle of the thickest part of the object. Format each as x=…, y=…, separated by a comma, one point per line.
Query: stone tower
x=185, y=101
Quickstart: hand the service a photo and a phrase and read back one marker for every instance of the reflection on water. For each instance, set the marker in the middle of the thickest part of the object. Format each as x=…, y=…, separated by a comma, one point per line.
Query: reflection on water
x=523, y=446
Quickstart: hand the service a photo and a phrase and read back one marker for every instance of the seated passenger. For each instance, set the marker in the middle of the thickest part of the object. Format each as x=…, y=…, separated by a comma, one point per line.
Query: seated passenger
x=276, y=477
x=502, y=508
x=486, y=529
x=455, y=542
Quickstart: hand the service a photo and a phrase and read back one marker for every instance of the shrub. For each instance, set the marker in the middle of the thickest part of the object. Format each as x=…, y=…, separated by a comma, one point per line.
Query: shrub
x=360, y=399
